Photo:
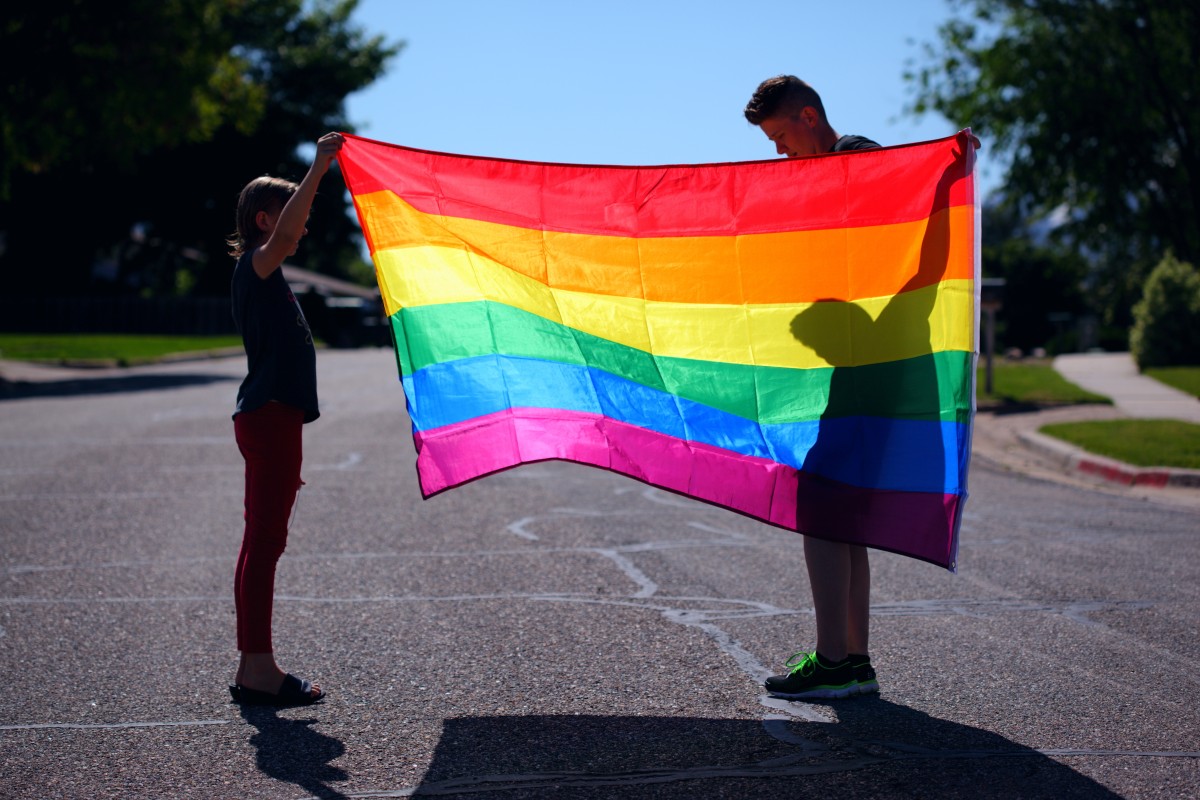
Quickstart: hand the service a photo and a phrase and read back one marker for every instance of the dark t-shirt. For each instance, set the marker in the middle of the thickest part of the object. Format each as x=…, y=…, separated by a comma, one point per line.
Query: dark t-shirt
x=280, y=356
x=853, y=143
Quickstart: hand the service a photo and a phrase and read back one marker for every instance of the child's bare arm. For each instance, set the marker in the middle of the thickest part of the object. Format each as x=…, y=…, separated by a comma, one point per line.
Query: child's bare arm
x=287, y=230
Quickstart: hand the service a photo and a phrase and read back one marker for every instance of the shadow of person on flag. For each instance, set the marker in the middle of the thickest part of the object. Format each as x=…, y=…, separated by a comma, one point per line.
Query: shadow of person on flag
x=887, y=464
x=878, y=450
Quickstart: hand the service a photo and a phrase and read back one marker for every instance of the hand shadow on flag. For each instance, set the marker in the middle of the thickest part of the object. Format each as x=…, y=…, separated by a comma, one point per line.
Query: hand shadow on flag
x=880, y=449
x=289, y=750
x=875, y=749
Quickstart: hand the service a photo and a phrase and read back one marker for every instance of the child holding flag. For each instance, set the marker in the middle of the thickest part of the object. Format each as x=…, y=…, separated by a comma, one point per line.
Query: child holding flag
x=277, y=397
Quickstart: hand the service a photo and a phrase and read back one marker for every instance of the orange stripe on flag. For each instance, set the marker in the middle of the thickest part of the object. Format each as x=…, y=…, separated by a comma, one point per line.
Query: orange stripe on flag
x=791, y=267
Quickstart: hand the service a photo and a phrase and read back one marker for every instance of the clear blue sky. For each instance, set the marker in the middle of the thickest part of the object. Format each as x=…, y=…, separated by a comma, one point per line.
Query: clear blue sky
x=650, y=82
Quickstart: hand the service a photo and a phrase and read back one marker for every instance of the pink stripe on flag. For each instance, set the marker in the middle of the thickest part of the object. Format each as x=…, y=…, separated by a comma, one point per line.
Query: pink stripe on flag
x=912, y=523
x=454, y=454
x=918, y=524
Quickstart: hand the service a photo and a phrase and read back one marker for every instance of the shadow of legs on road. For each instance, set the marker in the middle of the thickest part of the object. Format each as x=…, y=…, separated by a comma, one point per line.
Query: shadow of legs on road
x=291, y=751
x=877, y=749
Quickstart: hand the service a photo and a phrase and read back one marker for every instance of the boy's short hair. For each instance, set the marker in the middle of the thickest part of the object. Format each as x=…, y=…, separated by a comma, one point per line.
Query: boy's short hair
x=783, y=94
x=261, y=194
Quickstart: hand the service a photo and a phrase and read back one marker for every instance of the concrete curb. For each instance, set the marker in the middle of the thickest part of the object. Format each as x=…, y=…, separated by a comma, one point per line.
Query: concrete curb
x=1073, y=458
x=84, y=364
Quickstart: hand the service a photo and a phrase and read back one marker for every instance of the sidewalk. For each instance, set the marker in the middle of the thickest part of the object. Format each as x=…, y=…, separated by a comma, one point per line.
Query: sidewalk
x=1011, y=440
x=1115, y=375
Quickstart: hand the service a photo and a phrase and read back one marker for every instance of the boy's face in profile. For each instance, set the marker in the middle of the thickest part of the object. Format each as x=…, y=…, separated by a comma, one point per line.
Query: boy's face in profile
x=793, y=135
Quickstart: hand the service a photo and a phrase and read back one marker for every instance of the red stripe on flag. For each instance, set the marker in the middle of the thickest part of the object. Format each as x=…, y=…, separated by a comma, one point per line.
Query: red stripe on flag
x=890, y=185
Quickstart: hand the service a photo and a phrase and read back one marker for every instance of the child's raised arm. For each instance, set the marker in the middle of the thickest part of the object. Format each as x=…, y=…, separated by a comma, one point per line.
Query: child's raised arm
x=287, y=228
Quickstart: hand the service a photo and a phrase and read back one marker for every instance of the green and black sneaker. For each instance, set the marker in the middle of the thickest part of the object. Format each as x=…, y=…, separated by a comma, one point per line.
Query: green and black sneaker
x=811, y=676
x=864, y=675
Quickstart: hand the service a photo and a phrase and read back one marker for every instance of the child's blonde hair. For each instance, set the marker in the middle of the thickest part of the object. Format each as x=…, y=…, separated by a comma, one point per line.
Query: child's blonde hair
x=261, y=194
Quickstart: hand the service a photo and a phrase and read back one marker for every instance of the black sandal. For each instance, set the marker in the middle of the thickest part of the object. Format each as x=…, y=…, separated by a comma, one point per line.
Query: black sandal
x=293, y=692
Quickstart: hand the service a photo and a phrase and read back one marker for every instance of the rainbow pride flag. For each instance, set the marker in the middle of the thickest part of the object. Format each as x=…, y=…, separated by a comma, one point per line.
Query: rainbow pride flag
x=791, y=339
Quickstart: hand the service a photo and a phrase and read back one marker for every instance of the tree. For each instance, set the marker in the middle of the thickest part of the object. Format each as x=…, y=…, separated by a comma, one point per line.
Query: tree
x=163, y=149
x=1096, y=104
x=1166, y=329
x=1043, y=285
x=88, y=82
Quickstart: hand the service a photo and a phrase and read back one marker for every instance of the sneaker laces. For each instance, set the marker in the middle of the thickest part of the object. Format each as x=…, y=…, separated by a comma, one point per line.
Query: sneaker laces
x=802, y=662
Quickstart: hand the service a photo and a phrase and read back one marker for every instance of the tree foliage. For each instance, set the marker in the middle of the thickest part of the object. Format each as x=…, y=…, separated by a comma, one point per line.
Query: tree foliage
x=1166, y=329
x=1096, y=104
x=88, y=82
x=1043, y=288
x=126, y=148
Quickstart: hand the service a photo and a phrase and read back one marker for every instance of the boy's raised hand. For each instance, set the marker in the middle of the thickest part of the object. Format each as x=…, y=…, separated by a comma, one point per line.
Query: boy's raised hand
x=285, y=228
x=327, y=149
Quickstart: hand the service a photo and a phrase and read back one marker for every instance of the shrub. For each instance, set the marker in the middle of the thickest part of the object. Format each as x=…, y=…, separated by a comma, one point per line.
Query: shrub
x=1166, y=321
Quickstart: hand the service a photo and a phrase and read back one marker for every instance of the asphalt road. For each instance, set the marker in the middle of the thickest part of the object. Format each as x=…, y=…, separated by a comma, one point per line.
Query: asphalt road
x=554, y=631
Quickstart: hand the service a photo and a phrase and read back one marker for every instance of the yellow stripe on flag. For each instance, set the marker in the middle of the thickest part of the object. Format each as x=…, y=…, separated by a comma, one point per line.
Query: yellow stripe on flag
x=867, y=331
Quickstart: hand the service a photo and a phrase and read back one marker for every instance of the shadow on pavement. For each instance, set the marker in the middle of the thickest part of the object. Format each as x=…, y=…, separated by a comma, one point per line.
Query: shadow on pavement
x=877, y=749
x=17, y=390
x=291, y=751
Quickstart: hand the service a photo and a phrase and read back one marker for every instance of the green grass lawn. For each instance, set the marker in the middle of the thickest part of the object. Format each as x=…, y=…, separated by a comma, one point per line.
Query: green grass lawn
x=1141, y=442
x=1031, y=383
x=120, y=349
x=1186, y=379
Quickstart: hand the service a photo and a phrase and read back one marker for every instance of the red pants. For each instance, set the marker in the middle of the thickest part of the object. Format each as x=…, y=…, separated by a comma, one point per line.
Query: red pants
x=269, y=438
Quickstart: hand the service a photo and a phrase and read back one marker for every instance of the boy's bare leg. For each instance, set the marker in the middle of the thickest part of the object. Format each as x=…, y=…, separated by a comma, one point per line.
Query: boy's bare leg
x=840, y=575
x=858, y=621
x=829, y=571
